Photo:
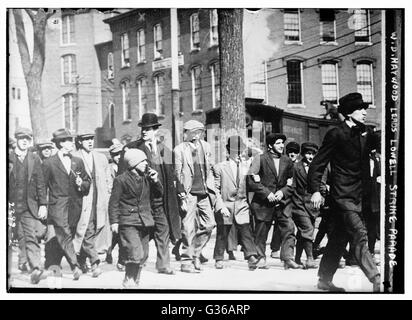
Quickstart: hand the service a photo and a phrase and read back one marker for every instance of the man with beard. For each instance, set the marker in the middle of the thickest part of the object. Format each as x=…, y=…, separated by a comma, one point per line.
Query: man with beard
x=347, y=148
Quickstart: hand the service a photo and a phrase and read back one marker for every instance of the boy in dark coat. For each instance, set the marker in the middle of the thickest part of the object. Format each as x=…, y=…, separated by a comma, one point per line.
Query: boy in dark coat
x=130, y=212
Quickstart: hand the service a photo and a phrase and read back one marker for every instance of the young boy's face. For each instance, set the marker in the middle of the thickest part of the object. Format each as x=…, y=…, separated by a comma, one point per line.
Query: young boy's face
x=293, y=155
x=116, y=158
x=309, y=155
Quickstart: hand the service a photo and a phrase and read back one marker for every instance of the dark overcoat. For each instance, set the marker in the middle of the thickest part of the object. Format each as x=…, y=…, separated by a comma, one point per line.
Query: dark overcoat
x=270, y=181
x=65, y=197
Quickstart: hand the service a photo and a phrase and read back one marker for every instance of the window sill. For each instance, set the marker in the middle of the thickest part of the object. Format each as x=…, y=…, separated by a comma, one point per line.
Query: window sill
x=197, y=112
x=158, y=58
x=125, y=67
x=127, y=121
x=67, y=44
x=289, y=42
x=363, y=43
x=328, y=43
x=194, y=50
x=296, y=106
x=141, y=63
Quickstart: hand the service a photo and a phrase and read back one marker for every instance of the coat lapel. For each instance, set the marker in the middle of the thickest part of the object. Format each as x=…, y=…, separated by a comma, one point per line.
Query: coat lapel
x=30, y=163
x=188, y=155
x=132, y=184
x=59, y=163
x=302, y=170
x=271, y=164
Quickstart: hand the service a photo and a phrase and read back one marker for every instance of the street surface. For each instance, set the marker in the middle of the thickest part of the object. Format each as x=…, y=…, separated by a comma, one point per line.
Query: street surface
x=235, y=276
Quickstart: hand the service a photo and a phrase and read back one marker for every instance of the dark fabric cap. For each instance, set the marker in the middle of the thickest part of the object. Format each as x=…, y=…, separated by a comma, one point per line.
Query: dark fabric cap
x=351, y=102
x=292, y=146
x=272, y=137
x=23, y=132
x=309, y=146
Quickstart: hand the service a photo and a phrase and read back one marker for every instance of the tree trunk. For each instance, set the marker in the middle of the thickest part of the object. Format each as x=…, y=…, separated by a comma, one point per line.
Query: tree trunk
x=232, y=116
x=33, y=68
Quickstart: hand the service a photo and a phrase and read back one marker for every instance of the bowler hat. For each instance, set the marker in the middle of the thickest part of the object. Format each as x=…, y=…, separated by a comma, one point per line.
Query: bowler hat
x=85, y=134
x=309, y=146
x=292, y=147
x=271, y=138
x=235, y=144
x=61, y=134
x=193, y=125
x=149, y=120
x=116, y=148
x=351, y=102
x=133, y=157
x=23, y=132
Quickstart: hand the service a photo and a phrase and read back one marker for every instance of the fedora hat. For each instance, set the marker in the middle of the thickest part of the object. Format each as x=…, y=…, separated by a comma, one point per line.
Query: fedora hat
x=351, y=102
x=61, y=134
x=149, y=120
x=235, y=144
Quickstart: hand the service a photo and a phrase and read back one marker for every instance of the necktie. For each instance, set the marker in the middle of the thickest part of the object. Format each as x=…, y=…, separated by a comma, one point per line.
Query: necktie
x=237, y=175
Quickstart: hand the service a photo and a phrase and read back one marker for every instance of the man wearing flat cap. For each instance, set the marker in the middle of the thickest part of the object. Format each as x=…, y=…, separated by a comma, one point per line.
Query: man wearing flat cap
x=268, y=179
x=303, y=213
x=346, y=147
x=130, y=212
x=232, y=207
x=193, y=165
x=166, y=208
x=67, y=182
x=44, y=149
x=93, y=229
x=27, y=191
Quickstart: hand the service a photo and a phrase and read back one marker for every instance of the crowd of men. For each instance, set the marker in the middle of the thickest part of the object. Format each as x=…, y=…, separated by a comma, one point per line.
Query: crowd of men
x=82, y=205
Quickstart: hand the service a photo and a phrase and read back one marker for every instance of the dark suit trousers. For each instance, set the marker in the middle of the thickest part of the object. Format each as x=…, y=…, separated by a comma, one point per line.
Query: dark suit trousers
x=116, y=241
x=372, y=220
x=276, y=241
x=28, y=243
x=64, y=240
x=135, y=243
x=348, y=226
x=245, y=238
x=88, y=249
x=161, y=238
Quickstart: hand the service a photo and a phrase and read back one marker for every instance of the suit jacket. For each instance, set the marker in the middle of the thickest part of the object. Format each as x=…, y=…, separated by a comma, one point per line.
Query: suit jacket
x=100, y=181
x=229, y=195
x=348, y=154
x=65, y=198
x=184, y=166
x=270, y=181
x=171, y=185
x=300, y=196
x=130, y=201
x=36, y=187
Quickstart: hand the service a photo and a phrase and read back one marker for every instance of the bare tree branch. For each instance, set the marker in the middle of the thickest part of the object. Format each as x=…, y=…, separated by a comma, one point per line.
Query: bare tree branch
x=21, y=40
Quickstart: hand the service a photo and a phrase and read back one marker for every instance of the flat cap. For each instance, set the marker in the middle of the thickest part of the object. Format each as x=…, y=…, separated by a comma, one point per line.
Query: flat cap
x=133, y=157
x=193, y=125
x=44, y=144
x=23, y=132
x=351, y=102
x=292, y=146
x=116, y=148
x=309, y=146
x=271, y=138
x=85, y=134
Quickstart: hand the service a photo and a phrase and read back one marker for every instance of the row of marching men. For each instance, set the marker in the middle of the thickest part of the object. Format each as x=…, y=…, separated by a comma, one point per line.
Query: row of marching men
x=150, y=192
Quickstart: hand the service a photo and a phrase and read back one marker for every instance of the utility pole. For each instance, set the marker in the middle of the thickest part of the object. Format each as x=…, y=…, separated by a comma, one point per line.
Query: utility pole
x=77, y=106
x=176, y=128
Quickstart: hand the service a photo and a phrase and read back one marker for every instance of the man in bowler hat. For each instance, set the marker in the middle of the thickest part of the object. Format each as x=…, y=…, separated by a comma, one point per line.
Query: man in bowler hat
x=346, y=147
x=67, y=182
x=165, y=208
x=27, y=190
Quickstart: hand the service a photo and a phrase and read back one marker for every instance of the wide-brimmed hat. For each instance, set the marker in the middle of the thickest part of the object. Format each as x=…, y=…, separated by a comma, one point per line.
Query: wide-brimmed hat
x=149, y=120
x=292, y=146
x=192, y=125
x=23, y=132
x=351, y=102
x=309, y=146
x=235, y=144
x=85, y=134
x=133, y=157
x=61, y=134
x=116, y=148
x=271, y=138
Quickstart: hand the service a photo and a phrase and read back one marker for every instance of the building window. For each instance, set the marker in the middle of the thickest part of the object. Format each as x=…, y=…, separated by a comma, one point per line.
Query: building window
x=291, y=20
x=327, y=25
x=364, y=80
x=13, y=90
x=127, y=111
x=362, y=32
x=215, y=75
x=159, y=94
x=196, y=88
x=330, y=81
x=178, y=36
x=141, y=46
x=158, y=48
x=110, y=66
x=69, y=69
x=214, y=36
x=111, y=116
x=69, y=106
x=294, y=71
x=124, y=41
x=194, y=32
x=141, y=96
x=67, y=32
x=18, y=94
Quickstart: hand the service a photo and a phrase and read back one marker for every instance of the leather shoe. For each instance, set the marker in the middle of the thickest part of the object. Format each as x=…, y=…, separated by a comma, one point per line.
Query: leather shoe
x=329, y=286
x=275, y=254
x=261, y=264
x=377, y=284
x=35, y=276
x=76, y=273
x=176, y=253
x=290, y=264
x=252, y=263
x=219, y=264
x=197, y=263
x=120, y=267
x=231, y=255
x=188, y=268
x=167, y=271
x=203, y=259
